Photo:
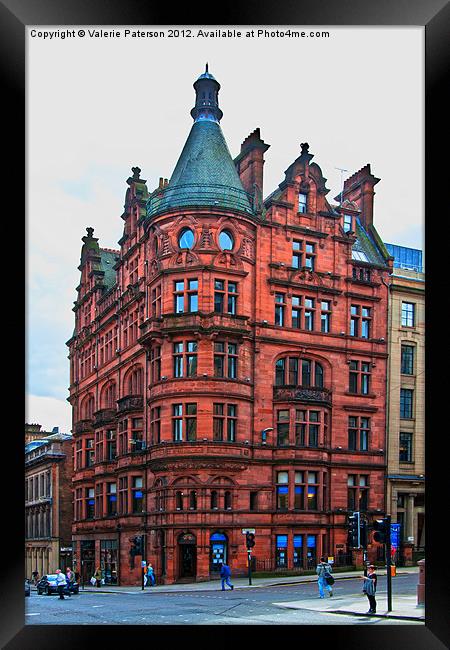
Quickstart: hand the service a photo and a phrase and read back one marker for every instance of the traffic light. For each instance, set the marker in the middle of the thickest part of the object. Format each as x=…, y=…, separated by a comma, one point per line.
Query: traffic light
x=249, y=540
x=354, y=540
x=137, y=546
x=363, y=533
x=380, y=527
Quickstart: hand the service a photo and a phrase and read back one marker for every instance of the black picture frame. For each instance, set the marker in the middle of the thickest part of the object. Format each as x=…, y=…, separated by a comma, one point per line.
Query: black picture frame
x=434, y=15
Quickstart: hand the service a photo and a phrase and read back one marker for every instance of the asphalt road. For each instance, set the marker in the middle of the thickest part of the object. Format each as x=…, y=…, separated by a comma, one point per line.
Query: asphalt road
x=241, y=606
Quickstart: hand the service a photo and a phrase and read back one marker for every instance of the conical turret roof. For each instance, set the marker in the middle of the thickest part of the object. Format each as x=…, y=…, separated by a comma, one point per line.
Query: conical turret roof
x=205, y=174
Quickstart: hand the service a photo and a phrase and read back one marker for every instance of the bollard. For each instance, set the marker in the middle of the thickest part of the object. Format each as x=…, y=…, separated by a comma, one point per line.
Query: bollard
x=421, y=583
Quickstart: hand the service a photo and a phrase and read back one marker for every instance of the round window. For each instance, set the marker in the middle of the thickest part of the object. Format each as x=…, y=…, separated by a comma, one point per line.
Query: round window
x=226, y=241
x=186, y=238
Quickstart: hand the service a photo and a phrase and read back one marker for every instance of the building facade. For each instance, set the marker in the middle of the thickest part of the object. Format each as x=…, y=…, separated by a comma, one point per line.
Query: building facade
x=229, y=366
x=48, y=501
x=406, y=400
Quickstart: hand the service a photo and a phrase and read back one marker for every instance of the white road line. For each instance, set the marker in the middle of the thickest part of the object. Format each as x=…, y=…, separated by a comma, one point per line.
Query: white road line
x=33, y=614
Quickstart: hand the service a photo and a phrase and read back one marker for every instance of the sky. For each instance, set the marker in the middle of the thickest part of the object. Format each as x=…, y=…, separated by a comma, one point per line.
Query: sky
x=98, y=106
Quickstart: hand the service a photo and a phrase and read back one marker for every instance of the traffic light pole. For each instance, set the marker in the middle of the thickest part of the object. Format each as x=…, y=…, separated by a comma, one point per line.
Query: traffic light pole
x=249, y=555
x=388, y=563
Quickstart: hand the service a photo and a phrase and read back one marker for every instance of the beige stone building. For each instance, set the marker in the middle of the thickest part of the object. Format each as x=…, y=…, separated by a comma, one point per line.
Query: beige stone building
x=48, y=500
x=406, y=403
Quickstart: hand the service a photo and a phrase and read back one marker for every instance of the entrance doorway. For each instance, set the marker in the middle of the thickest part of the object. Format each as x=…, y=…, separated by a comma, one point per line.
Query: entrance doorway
x=87, y=560
x=187, y=552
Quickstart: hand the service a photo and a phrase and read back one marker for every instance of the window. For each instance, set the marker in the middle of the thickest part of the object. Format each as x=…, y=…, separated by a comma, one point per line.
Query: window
x=302, y=202
x=282, y=490
x=123, y=495
x=193, y=500
x=281, y=551
x=185, y=359
x=89, y=453
x=405, y=447
x=214, y=500
x=155, y=363
x=297, y=254
x=155, y=424
x=309, y=313
x=179, y=500
x=123, y=436
x=302, y=312
x=313, y=488
x=189, y=426
x=359, y=377
x=253, y=501
x=348, y=226
x=298, y=551
x=279, y=308
x=325, y=316
x=358, y=492
x=185, y=296
x=294, y=371
x=137, y=435
x=111, y=499
x=137, y=494
x=361, y=274
x=283, y=428
x=354, y=320
x=299, y=491
x=186, y=238
x=407, y=360
x=225, y=359
x=156, y=301
x=226, y=240
x=227, y=500
x=307, y=427
x=310, y=254
x=358, y=433
x=406, y=403
x=110, y=444
x=225, y=297
x=99, y=446
x=90, y=503
x=408, y=314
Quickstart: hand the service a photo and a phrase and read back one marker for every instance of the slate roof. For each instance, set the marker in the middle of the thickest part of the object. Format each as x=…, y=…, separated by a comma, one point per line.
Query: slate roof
x=366, y=245
x=204, y=175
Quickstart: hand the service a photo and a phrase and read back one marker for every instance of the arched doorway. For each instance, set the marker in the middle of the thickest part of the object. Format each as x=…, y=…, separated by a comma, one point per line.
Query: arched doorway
x=218, y=551
x=187, y=554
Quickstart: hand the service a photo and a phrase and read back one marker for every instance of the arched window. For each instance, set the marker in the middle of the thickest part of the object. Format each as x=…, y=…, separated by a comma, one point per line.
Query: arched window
x=87, y=408
x=108, y=400
x=296, y=371
x=179, y=500
x=193, y=500
x=227, y=500
x=214, y=505
x=135, y=382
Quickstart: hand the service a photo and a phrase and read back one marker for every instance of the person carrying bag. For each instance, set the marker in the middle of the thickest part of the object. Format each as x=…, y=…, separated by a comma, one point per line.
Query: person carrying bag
x=370, y=588
x=325, y=579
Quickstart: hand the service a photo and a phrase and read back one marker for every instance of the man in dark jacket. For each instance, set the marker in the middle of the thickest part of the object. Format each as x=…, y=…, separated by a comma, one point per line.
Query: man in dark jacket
x=225, y=573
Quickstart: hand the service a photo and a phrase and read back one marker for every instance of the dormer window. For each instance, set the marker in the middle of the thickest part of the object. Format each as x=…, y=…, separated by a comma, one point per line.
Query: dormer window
x=348, y=223
x=302, y=199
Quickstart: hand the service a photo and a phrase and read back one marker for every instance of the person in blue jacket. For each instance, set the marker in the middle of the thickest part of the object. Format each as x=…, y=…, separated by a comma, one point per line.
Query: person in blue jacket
x=225, y=573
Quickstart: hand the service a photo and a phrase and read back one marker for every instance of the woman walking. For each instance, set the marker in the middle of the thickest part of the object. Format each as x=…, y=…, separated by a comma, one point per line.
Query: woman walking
x=323, y=571
x=98, y=577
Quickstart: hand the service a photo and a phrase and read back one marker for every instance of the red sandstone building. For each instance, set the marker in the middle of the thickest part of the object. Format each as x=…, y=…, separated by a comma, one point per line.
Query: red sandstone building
x=228, y=366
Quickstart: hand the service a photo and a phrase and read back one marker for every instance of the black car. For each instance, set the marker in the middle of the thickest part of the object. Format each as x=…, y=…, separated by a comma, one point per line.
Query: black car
x=47, y=586
x=27, y=588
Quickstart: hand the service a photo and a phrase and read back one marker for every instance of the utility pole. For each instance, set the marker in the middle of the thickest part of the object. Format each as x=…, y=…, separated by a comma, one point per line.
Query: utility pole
x=388, y=562
x=249, y=556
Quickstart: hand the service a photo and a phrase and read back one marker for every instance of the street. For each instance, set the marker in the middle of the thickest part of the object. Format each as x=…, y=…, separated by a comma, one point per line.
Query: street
x=263, y=605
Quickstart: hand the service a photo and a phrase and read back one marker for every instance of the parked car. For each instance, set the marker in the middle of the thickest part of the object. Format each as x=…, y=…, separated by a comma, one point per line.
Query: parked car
x=27, y=588
x=47, y=586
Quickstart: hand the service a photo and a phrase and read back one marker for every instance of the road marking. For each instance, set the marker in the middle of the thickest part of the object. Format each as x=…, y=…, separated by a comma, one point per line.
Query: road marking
x=33, y=614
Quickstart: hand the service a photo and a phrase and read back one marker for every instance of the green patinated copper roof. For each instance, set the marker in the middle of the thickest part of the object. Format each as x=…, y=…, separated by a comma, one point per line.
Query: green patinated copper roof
x=204, y=175
x=366, y=245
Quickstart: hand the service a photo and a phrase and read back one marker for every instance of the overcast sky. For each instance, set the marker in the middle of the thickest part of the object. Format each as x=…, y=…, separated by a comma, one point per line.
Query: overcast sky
x=97, y=107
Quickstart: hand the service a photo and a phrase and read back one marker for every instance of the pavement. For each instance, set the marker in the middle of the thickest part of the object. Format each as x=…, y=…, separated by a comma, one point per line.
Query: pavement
x=404, y=606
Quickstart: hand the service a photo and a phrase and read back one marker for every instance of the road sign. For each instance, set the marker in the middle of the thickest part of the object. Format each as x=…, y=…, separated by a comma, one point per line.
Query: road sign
x=248, y=530
x=395, y=535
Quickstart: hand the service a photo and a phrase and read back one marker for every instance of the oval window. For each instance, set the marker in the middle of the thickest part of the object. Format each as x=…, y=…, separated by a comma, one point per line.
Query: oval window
x=226, y=241
x=186, y=238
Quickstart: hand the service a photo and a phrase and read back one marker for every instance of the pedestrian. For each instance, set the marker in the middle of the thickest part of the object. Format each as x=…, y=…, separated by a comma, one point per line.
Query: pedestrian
x=151, y=574
x=60, y=583
x=370, y=588
x=225, y=574
x=70, y=578
x=98, y=577
x=323, y=571
x=35, y=576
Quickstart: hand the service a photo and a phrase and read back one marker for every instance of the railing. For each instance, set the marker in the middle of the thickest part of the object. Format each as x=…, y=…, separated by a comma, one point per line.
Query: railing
x=130, y=403
x=197, y=194
x=83, y=425
x=288, y=394
x=104, y=416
